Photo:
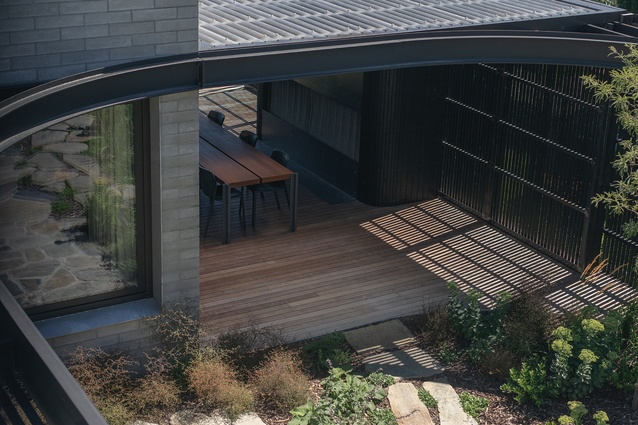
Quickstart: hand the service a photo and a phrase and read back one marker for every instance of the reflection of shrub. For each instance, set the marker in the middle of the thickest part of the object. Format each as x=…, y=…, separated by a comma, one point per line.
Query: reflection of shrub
x=281, y=381
x=64, y=202
x=112, y=224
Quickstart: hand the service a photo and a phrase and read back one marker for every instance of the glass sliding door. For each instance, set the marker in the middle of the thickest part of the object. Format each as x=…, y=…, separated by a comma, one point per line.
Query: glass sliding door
x=72, y=213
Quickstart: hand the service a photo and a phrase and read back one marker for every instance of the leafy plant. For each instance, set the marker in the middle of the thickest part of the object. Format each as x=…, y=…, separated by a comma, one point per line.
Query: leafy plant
x=428, y=399
x=473, y=405
x=584, y=356
x=328, y=351
x=346, y=400
x=529, y=383
x=577, y=412
x=482, y=332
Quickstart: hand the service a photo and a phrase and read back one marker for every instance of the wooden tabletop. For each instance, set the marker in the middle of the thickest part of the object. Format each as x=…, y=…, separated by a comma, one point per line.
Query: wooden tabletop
x=223, y=167
x=252, y=159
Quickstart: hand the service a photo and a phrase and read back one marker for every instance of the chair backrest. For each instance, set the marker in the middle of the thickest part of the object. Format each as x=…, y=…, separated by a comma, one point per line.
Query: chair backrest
x=217, y=116
x=280, y=156
x=249, y=137
x=207, y=182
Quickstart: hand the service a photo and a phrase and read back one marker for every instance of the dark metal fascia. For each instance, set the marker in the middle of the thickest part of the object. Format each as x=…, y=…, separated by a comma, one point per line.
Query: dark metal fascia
x=41, y=106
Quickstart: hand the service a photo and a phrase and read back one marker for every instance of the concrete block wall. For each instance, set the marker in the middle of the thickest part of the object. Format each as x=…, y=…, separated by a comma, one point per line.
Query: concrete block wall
x=178, y=157
x=42, y=40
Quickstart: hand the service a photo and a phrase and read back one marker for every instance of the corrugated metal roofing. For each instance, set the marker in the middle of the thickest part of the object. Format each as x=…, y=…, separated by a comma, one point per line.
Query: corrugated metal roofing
x=248, y=22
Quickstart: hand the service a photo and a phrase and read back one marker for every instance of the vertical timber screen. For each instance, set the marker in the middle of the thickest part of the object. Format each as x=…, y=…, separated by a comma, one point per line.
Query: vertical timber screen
x=524, y=147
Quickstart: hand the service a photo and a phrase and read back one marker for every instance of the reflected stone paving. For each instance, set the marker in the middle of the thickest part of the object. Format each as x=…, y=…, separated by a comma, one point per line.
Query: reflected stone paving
x=43, y=259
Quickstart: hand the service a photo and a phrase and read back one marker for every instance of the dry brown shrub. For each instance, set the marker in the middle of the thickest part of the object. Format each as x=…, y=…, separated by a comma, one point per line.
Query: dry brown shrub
x=215, y=384
x=499, y=362
x=435, y=324
x=155, y=392
x=529, y=321
x=281, y=382
x=102, y=375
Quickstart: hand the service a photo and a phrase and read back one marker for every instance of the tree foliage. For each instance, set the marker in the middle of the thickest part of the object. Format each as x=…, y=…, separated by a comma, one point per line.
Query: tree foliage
x=621, y=91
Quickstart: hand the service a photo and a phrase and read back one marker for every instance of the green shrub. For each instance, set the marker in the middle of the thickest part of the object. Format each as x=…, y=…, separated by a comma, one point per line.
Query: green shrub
x=280, y=381
x=428, y=399
x=473, y=405
x=483, y=333
x=346, y=399
x=529, y=383
x=584, y=355
x=215, y=384
x=577, y=412
x=328, y=351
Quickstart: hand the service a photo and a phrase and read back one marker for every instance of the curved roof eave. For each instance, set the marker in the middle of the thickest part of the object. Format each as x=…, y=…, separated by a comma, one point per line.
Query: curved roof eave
x=44, y=105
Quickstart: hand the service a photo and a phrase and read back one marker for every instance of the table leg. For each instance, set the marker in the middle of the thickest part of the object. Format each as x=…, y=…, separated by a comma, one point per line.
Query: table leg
x=226, y=213
x=294, y=191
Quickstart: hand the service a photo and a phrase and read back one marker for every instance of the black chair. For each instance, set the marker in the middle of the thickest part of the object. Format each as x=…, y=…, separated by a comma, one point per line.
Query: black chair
x=249, y=137
x=211, y=188
x=282, y=158
x=217, y=117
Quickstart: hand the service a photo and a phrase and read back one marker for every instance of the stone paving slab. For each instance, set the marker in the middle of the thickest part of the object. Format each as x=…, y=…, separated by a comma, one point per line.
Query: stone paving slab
x=397, y=358
x=388, y=335
x=409, y=363
x=192, y=418
x=450, y=410
x=406, y=405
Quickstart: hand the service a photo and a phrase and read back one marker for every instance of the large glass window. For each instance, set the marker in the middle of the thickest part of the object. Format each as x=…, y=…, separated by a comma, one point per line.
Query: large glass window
x=72, y=213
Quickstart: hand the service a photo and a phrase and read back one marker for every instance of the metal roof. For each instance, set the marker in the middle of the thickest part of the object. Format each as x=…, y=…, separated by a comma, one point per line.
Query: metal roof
x=226, y=23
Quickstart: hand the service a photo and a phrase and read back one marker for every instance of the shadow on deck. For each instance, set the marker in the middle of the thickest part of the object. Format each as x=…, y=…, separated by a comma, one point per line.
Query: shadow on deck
x=350, y=264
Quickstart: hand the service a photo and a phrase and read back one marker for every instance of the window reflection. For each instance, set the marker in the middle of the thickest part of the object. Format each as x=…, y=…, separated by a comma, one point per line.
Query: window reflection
x=68, y=211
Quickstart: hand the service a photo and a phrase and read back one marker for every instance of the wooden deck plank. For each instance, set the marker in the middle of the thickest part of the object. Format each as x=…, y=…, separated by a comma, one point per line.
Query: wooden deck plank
x=349, y=264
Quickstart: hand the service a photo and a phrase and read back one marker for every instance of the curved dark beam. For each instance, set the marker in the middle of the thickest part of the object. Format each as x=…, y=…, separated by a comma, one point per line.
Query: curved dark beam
x=44, y=105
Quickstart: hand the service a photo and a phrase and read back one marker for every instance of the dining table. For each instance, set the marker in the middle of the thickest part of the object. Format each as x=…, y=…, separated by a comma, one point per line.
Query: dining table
x=236, y=164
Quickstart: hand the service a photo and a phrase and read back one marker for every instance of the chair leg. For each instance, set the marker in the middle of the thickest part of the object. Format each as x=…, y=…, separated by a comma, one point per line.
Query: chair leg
x=242, y=209
x=210, y=214
x=254, y=206
x=286, y=192
x=276, y=199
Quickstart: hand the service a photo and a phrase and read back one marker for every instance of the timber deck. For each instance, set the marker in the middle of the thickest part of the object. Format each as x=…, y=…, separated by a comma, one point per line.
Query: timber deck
x=350, y=264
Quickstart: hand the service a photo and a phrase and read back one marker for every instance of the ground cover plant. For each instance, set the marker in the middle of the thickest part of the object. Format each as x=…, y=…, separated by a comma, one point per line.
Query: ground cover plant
x=252, y=370
x=550, y=359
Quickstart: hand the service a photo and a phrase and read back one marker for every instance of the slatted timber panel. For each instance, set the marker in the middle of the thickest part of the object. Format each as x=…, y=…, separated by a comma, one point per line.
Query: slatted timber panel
x=522, y=148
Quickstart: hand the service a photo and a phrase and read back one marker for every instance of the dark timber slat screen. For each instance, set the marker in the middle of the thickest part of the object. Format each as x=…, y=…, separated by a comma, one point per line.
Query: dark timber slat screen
x=522, y=148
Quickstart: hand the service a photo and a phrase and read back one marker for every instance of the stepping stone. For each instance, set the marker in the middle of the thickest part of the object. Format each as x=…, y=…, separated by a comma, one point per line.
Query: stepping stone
x=450, y=410
x=68, y=148
x=409, y=363
x=43, y=138
x=81, y=121
x=47, y=161
x=395, y=360
x=384, y=336
x=83, y=163
x=406, y=405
